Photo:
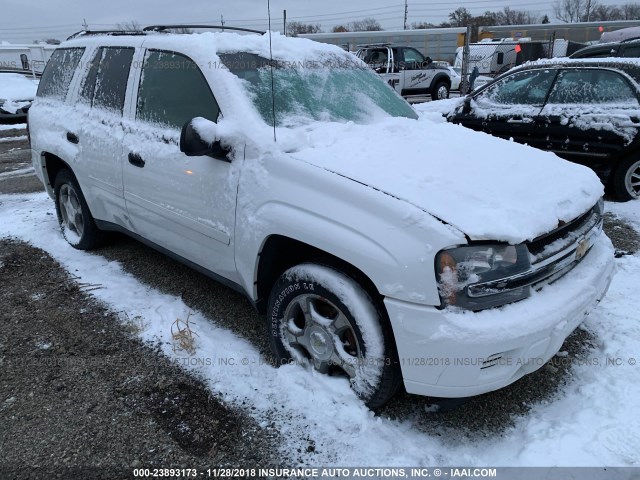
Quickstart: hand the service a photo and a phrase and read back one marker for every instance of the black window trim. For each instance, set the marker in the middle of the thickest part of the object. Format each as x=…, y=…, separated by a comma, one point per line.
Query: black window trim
x=161, y=50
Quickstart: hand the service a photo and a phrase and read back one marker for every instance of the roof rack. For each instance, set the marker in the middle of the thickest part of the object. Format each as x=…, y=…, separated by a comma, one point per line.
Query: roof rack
x=82, y=33
x=158, y=28
x=162, y=28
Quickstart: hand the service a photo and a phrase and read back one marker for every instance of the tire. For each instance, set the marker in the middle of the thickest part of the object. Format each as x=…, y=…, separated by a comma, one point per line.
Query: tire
x=334, y=327
x=626, y=179
x=77, y=224
x=440, y=91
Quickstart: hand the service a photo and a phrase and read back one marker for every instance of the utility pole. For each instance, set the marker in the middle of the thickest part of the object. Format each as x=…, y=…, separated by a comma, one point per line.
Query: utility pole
x=222, y=22
x=406, y=11
x=285, y=22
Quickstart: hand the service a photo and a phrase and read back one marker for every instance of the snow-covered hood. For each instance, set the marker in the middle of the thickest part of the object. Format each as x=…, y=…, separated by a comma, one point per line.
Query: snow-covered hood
x=16, y=91
x=488, y=188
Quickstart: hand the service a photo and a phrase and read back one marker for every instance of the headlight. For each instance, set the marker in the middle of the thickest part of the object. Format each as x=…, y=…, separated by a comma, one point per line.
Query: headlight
x=461, y=271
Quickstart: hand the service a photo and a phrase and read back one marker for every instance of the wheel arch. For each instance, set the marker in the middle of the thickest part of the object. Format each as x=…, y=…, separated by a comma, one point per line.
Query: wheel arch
x=279, y=253
x=51, y=165
x=441, y=77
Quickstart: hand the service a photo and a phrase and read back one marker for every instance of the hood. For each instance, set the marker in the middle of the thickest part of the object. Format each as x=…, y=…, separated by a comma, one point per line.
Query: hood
x=488, y=188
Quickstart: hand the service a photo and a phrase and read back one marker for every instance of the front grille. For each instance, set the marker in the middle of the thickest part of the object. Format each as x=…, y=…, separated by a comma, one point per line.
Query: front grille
x=547, y=245
x=552, y=256
x=555, y=254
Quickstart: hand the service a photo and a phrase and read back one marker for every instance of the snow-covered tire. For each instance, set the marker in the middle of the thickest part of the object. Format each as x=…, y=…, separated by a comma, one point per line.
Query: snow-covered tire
x=440, y=91
x=626, y=179
x=322, y=318
x=77, y=224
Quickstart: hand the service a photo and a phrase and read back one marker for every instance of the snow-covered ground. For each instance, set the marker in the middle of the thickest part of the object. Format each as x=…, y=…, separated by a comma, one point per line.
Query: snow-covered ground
x=592, y=421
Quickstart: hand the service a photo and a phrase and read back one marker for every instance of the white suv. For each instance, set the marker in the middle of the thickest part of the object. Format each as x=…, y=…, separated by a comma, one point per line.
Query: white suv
x=381, y=247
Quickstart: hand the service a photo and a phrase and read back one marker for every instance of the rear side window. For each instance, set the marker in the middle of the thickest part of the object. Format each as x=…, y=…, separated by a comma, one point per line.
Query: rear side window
x=58, y=73
x=633, y=52
x=590, y=86
x=105, y=85
x=173, y=91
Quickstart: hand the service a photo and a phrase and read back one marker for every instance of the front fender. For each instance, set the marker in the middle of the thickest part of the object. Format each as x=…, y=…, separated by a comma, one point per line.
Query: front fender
x=389, y=240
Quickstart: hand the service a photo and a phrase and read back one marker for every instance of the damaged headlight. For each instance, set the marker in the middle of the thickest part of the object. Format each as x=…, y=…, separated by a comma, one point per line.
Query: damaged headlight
x=461, y=272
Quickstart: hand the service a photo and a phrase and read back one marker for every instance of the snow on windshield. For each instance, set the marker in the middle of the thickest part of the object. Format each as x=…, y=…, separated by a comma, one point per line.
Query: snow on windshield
x=329, y=88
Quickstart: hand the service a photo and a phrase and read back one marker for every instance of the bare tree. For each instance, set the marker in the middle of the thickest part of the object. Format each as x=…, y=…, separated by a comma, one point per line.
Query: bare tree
x=603, y=13
x=516, y=17
x=339, y=29
x=132, y=26
x=460, y=18
x=296, y=28
x=365, y=25
x=422, y=25
x=571, y=11
x=630, y=11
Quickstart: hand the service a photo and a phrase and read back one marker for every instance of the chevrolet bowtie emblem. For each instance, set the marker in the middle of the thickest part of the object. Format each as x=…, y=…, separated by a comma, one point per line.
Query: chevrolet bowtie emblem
x=582, y=248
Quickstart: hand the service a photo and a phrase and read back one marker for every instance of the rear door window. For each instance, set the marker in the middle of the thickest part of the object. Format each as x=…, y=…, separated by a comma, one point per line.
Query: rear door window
x=105, y=85
x=633, y=52
x=591, y=86
x=173, y=90
x=58, y=73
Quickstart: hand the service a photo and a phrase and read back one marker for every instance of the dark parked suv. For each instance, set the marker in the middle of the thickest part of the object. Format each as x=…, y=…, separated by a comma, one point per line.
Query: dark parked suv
x=586, y=111
x=626, y=48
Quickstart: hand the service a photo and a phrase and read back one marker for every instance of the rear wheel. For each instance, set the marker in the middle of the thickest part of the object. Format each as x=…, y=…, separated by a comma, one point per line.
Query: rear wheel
x=626, y=179
x=76, y=222
x=321, y=318
x=440, y=91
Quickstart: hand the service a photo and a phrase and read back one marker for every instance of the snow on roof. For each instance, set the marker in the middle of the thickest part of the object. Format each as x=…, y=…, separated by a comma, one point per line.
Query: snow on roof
x=620, y=35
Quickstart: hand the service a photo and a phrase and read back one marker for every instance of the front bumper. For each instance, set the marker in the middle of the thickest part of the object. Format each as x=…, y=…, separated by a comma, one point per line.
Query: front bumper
x=449, y=353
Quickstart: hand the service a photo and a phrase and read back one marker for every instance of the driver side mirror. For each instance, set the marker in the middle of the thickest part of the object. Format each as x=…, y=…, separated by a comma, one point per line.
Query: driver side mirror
x=193, y=145
x=466, y=105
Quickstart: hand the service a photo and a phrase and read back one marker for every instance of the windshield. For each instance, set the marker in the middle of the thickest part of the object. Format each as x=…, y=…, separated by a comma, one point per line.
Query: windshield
x=332, y=89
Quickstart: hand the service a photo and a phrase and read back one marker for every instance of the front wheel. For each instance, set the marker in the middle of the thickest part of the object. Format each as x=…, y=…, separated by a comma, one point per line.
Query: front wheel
x=321, y=318
x=440, y=91
x=626, y=179
x=76, y=222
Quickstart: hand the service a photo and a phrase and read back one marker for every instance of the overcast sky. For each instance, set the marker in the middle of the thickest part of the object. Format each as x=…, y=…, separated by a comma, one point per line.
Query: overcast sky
x=23, y=21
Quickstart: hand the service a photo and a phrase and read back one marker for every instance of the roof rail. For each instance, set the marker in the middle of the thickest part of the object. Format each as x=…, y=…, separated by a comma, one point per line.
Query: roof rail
x=161, y=28
x=82, y=33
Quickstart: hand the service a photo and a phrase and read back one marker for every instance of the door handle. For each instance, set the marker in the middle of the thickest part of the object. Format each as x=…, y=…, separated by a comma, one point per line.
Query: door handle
x=519, y=121
x=136, y=160
x=73, y=138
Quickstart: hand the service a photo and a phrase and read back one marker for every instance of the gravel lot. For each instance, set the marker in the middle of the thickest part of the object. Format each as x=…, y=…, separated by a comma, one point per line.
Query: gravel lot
x=79, y=390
